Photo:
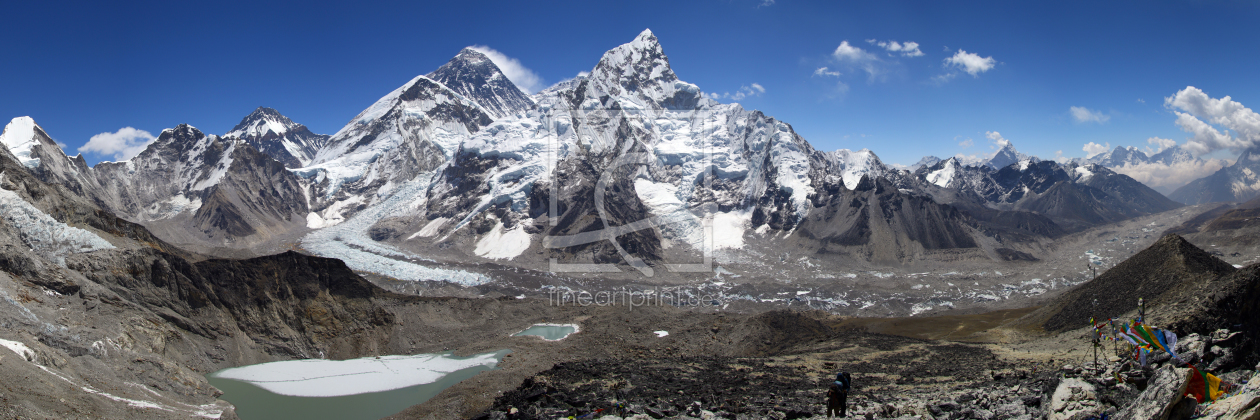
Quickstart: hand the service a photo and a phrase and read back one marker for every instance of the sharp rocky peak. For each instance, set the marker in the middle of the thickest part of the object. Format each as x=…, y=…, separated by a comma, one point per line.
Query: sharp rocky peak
x=639, y=71
x=639, y=60
x=475, y=76
x=259, y=122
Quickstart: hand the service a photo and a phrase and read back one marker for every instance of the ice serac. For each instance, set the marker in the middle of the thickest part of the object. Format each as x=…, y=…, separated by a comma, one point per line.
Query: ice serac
x=1237, y=182
x=474, y=76
x=275, y=135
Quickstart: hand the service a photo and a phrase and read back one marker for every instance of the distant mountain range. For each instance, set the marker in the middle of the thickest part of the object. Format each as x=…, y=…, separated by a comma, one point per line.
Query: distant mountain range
x=461, y=160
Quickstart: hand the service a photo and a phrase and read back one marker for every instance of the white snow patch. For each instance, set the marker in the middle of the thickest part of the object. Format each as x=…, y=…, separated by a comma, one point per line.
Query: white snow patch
x=1084, y=172
x=172, y=207
x=661, y=333
x=19, y=348
x=942, y=177
x=210, y=411
x=313, y=221
x=430, y=229
x=333, y=378
x=728, y=229
x=500, y=245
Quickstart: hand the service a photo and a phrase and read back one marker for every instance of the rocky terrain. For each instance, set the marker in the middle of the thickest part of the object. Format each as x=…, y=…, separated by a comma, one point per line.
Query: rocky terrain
x=1016, y=370
x=435, y=220
x=184, y=315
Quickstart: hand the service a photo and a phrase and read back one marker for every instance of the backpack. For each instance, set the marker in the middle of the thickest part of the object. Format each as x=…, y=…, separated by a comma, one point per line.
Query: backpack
x=844, y=381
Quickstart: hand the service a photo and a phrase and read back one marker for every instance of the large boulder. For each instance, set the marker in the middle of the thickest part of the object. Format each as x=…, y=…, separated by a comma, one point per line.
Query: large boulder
x=1162, y=394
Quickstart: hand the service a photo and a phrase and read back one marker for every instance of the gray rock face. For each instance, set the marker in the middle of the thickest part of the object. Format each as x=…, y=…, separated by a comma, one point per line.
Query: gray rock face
x=473, y=75
x=1162, y=395
x=144, y=314
x=202, y=189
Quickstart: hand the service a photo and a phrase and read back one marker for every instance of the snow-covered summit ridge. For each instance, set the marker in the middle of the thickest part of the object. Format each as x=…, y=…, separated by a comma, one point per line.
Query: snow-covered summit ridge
x=260, y=122
x=1007, y=156
x=275, y=135
x=638, y=75
x=19, y=138
x=852, y=166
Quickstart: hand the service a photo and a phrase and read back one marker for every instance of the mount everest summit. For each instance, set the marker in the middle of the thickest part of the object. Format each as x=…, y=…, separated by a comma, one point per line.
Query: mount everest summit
x=461, y=163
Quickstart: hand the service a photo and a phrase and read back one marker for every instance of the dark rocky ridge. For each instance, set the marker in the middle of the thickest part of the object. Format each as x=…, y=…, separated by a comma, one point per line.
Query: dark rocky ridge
x=472, y=74
x=878, y=220
x=1162, y=274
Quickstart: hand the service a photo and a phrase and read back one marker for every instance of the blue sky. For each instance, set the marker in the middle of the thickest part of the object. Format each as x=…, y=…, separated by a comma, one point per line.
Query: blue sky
x=81, y=69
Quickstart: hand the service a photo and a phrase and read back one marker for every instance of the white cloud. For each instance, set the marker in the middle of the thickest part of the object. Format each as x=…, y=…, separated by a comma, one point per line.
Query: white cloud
x=1161, y=144
x=1093, y=149
x=997, y=139
x=841, y=88
x=1058, y=157
x=766, y=3
x=846, y=52
x=941, y=79
x=971, y=63
x=122, y=144
x=906, y=49
x=1167, y=178
x=1140, y=101
x=966, y=143
x=856, y=57
x=1194, y=104
x=583, y=73
x=524, y=78
x=747, y=91
x=1083, y=115
x=824, y=71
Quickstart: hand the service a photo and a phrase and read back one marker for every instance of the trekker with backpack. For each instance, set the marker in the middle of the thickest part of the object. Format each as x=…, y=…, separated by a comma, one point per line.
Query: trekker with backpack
x=837, y=394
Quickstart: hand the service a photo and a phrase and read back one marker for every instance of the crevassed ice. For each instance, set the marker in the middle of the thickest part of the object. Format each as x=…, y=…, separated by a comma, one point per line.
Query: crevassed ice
x=42, y=233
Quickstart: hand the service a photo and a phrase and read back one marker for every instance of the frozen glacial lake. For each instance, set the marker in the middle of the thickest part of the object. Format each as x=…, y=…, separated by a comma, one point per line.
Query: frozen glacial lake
x=364, y=388
x=550, y=332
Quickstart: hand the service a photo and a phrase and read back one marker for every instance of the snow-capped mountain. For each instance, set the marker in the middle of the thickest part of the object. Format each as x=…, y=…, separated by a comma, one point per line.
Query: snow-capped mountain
x=1131, y=156
x=408, y=134
x=194, y=188
x=1237, y=182
x=1075, y=196
x=188, y=187
x=630, y=142
x=41, y=155
x=275, y=135
x=852, y=166
x=473, y=75
x=461, y=161
x=1007, y=156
